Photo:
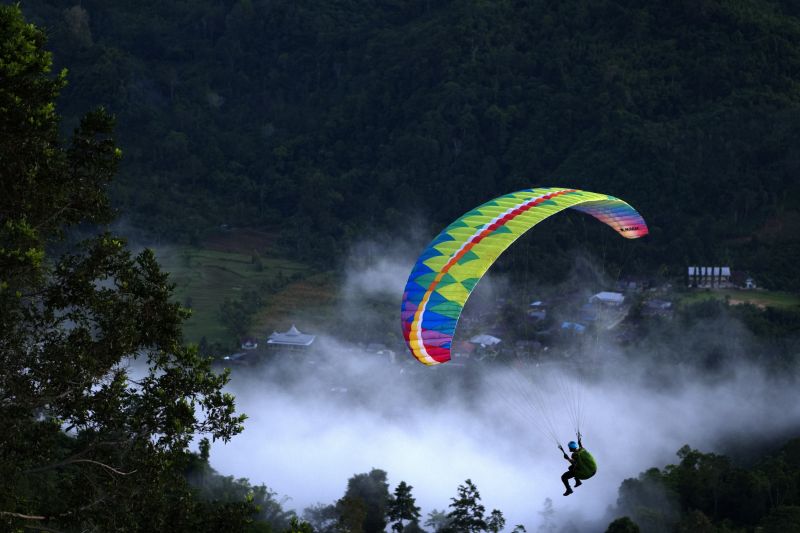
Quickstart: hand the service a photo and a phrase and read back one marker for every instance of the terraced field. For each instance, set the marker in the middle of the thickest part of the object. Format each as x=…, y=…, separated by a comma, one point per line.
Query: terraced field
x=204, y=278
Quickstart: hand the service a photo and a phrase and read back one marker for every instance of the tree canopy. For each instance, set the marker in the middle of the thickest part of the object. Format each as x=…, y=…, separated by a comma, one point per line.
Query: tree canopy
x=402, y=508
x=99, y=398
x=710, y=492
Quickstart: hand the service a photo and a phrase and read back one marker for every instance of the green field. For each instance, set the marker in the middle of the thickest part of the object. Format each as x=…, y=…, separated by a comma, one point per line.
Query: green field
x=204, y=278
x=310, y=303
x=759, y=298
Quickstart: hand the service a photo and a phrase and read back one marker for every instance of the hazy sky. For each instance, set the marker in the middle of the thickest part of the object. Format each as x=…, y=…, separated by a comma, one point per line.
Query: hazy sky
x=305, y=440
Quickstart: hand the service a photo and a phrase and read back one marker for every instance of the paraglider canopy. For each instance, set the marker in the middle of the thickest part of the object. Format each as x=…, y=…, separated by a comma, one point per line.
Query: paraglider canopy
x=452, y=264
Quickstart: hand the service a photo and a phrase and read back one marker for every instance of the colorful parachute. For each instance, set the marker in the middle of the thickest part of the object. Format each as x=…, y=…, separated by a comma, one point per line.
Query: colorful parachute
x=453, y=263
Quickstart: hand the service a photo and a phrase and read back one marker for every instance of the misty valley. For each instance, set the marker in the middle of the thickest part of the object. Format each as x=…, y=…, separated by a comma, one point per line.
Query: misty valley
x=290, y=266
x=649, y=382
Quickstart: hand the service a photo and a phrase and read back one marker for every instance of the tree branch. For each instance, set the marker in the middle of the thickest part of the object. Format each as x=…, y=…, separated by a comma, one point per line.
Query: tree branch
x=36, y=517
x=73, y=461
x=22, y=516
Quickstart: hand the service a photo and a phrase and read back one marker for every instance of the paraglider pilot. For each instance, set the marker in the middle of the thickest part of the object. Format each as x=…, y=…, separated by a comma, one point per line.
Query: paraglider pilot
x=581, y=464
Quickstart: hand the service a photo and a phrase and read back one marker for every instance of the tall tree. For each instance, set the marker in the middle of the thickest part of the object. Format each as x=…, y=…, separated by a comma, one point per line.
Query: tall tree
x=372, y=491
x=323, y=518
x=297, y=526
x=352, y=515
x=547, y=524
x=437, y=520
x=402, y=507
x=467, y=515
x=99, y=399
x=496, y=521
x=413, y=527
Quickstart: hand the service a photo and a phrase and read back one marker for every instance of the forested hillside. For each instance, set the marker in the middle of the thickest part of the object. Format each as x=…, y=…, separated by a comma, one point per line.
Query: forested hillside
x=329, y=120
x=710, y=493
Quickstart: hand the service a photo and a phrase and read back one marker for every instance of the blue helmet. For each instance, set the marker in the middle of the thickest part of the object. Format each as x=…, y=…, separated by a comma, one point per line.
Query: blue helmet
x=572, y=445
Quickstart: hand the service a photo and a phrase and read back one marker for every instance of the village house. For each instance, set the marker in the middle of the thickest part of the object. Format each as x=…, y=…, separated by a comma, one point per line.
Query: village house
x=633, y=284
x=485, y=340
x=293, y=339
x=707, y=277
x=249, y=344
x=573, y=327
x=537, y=310
x=611, y=299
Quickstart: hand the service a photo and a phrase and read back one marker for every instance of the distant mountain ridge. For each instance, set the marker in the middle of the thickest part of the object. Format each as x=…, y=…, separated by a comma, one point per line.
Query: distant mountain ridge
x=341, y=120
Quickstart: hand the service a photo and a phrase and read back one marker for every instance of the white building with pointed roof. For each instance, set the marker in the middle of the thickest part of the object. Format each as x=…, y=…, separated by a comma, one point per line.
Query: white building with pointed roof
x=293, y=338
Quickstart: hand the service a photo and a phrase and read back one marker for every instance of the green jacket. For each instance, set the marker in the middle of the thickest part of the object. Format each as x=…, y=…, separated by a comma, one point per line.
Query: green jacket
x=583, y=465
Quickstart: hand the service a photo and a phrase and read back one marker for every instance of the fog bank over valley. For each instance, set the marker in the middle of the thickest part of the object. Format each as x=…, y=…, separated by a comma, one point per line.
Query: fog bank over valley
x=317, y=419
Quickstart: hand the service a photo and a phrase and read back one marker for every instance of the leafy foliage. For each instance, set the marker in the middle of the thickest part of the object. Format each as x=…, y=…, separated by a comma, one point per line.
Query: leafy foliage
x=468, y=514
x=781, y=519
x=364, y=505
x=707, y=492
x=437, y=520
x=322, y=518
x=296, y=526
x=623, y=525
x=237, y=315
x=99, y=399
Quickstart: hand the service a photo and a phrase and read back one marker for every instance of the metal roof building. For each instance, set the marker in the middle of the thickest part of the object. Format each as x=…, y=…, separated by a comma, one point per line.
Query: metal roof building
x=485, y=340
x=610, y=298
x=293, y=337
x=709, y=276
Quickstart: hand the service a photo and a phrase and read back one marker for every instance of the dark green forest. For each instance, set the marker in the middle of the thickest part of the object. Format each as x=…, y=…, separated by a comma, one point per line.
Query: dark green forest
x=329, y=122
x=710, y=493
